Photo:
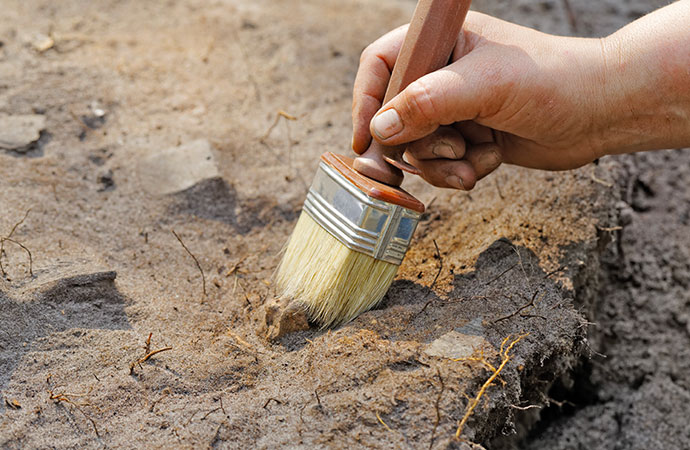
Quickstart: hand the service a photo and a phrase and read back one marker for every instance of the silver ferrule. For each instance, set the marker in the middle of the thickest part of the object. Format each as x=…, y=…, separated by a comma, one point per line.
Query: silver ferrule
x=364, y=224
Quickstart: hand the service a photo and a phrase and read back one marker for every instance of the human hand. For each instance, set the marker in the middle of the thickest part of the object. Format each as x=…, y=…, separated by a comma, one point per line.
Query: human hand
x=511, y=94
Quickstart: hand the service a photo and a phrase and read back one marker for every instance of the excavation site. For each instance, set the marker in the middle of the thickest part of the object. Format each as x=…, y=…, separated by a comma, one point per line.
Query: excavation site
x=154, y=160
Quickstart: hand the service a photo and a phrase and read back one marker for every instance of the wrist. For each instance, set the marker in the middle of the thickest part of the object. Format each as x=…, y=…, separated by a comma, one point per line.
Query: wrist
x=645, y=87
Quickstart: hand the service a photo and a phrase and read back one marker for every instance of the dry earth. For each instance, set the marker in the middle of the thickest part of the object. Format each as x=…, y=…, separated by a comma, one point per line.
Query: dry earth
x=143, y=120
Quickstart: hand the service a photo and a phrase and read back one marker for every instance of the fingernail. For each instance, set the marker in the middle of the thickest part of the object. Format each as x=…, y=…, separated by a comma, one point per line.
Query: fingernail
x=444, y=150
x=491, y=160
x=387, y=124
x=455, y=181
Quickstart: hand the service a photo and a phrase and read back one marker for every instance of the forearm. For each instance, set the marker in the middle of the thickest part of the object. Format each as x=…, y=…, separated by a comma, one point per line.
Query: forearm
x=646, y=83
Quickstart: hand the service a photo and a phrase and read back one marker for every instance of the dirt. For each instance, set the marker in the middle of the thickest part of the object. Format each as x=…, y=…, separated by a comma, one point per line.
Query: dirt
x=635, y=391
x=198, y=87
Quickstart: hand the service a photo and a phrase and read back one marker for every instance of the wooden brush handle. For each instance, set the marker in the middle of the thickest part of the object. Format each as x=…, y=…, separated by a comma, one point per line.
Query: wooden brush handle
x=427, y=47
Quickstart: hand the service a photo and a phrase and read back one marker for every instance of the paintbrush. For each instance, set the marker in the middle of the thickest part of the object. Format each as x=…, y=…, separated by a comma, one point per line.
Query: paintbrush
x=357, y=223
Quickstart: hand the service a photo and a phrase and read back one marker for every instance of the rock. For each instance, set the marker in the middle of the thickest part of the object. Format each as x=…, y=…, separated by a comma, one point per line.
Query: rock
x=284, y=317
x=454, y=345
x=41, y=42
x=178, y=168
x=18, y=132
x=625, y=213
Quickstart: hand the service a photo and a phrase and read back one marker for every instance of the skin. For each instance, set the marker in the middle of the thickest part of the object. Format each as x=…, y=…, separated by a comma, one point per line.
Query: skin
x=518, y=96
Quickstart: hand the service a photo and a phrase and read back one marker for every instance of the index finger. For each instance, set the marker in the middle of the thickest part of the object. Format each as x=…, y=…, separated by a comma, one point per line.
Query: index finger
x=375, y=67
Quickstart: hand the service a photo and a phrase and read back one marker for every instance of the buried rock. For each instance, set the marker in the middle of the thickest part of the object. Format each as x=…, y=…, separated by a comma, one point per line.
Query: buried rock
x=178, y=168
x=18, y=132
x=284, y=317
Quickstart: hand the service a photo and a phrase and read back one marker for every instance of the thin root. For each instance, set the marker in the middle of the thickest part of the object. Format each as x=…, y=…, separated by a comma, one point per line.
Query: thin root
x=148, y=353
x=505, y=357
x=196, y=261
x=66, y=397
x=382, y=422
x=438, y=408
x=433, y=283
x=8, y=238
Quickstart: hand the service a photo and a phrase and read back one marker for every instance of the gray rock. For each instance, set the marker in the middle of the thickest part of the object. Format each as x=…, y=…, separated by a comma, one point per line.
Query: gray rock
x=18, y=132
x=176, y=169
x=454, y=345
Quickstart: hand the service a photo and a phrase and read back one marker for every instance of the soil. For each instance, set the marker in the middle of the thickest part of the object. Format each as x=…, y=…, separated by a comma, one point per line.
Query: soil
x=635, y=391
x=205, y=121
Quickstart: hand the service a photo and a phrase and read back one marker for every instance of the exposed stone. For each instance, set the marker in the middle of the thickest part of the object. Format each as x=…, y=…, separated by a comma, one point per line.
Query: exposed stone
x=454, y=345
x=178, y=168
x=18, y=132
x=284, y=317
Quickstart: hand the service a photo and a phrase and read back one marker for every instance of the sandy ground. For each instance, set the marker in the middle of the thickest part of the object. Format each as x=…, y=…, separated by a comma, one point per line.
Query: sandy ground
x=158, y=118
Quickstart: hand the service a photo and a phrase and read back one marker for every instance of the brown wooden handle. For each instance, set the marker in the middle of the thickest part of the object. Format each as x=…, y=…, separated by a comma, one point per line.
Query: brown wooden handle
x=428, y=46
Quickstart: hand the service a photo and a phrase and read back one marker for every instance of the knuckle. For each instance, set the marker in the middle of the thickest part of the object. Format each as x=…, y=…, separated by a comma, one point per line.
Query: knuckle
x=420, y=103
x=366, y=54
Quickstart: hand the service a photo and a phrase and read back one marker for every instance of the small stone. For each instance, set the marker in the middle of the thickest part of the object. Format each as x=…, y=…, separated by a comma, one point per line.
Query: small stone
x=18, y=132
x=454, y=345
x=284, y=317
x=12, y=403
x=178, y=168
x=105, y=179
x=42, y=42
x=625, y=213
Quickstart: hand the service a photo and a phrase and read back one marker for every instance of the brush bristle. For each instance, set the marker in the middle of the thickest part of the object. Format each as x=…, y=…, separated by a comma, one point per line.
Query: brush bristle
x=336, y=284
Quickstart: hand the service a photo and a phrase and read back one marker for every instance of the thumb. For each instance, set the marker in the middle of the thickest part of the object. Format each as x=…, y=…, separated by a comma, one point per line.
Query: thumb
x=443, y=97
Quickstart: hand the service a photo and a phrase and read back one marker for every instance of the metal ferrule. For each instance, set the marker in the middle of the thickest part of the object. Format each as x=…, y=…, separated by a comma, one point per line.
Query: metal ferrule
x=364, y=224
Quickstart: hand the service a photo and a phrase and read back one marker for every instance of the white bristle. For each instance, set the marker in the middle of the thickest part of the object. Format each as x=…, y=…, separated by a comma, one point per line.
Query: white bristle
x=336, y=284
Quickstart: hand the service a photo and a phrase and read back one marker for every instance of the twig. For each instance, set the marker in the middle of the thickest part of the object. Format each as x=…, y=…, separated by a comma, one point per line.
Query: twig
x=66, y=398
x=288, y=117
x=433, y=283
x=16, y=225
x=501, y=274
x=272, y=399
x=210, y=412
x=479, y=359
x=382, y=422
x=525, y=408
x=154, y=352
x=438, y=410
x=560, y=404
x=14, y=404
x=536, y=316
x=23, y=247
x=318, y=400
x=555, y=271
x=524, y=272
x=165, y=393
x=147, y=347
x=599, y=180
x=148, y=353
x=196, y=261
x=280, y=113
x=505, y=357
x=236, y=267
x=519, y=310
x=609, y=229
x=8, y=238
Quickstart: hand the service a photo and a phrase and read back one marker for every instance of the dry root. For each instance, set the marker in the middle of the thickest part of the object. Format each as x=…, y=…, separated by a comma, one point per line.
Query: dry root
x=505, y=355
x=9, y=238
x=148, y=353
x=59, y=396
